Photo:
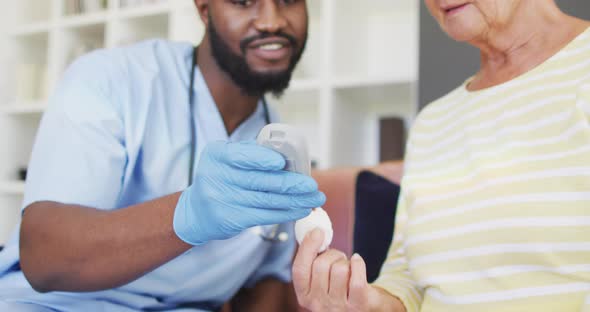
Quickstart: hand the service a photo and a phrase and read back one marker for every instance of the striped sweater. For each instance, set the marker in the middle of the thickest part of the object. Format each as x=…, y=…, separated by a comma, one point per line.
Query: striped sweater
x=495, y=206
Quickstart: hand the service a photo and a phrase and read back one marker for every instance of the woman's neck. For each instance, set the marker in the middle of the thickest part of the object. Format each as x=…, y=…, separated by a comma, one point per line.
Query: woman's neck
x=538, y=31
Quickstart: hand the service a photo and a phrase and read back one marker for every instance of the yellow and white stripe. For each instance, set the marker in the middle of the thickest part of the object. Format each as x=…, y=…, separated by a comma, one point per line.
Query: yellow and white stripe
x=495, y=206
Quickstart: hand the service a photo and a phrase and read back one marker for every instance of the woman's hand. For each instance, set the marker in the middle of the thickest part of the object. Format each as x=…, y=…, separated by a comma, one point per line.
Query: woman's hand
x=330, y=281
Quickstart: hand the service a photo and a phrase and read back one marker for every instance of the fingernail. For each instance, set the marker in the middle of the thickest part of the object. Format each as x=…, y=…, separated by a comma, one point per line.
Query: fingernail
x=356, y=256
x=317, y=234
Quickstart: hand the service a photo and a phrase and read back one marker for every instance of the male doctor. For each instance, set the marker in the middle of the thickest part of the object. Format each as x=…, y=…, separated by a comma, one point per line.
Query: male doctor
x=145, y=191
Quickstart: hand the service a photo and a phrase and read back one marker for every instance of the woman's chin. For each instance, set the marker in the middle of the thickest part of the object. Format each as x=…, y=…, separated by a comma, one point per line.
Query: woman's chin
x=462, y=32
x=461, y=37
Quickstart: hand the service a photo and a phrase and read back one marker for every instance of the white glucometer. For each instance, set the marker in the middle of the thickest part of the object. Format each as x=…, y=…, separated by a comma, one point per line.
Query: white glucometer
x=290, y=143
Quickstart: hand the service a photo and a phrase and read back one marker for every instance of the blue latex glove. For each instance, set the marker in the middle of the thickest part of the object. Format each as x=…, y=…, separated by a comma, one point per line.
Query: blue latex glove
x=238, y=186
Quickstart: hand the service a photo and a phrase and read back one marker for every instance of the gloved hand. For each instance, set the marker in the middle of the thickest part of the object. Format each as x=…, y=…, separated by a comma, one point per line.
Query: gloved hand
x=238, y=186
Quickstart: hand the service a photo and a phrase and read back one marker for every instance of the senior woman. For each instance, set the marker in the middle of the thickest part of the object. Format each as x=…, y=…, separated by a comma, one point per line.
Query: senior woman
x=495, y=206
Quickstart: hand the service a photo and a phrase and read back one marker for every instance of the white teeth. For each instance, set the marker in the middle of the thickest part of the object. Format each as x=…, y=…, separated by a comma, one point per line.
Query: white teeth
x=271, y=46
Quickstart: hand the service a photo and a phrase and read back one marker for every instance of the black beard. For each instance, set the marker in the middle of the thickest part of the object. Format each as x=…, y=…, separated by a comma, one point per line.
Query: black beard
x=252, y=83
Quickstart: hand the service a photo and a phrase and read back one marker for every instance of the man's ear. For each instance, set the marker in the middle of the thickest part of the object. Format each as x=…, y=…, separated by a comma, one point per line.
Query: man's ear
x=203, y=8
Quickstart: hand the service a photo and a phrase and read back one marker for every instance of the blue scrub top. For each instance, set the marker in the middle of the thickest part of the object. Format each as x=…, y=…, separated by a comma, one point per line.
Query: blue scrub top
x=117, y=133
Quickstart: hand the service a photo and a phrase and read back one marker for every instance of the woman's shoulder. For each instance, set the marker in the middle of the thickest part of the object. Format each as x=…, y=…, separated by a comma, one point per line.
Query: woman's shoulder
x=444, y=104
x=436, y=115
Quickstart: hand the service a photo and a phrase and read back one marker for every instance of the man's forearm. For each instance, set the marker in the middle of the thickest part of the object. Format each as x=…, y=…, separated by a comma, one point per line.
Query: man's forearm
x=74, y=248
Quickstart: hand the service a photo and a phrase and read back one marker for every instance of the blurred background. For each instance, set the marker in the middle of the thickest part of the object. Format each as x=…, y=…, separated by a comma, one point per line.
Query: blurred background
x=368, y=68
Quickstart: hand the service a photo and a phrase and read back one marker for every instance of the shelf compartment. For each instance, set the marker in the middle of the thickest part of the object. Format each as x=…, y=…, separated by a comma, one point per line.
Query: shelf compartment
x=376, y=39
x=301, y=109
x=310, y=65
x=16, y=143
x=124, y=4
x=355, y=140
x=186, y=25
x=131, y=30
x=29, y=12
x=77, y=41
x=29, y=76
x=9, y=215
x=84, y=21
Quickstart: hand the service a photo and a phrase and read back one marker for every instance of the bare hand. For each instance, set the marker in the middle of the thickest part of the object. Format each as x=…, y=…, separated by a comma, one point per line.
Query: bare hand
x=330, y=281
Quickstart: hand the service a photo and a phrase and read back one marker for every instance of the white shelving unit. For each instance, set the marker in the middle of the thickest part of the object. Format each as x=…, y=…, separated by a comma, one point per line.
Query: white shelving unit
x=12, y=187
x=360, y=65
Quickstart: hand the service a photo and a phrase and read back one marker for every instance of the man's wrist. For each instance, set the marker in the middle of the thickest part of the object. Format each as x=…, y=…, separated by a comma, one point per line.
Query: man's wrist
x=182, y=223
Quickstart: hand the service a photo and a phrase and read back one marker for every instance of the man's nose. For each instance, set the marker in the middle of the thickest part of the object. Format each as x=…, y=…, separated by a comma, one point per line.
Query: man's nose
x=270, y=19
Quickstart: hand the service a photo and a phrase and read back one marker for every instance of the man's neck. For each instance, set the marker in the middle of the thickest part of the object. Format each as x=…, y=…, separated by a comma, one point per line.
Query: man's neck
x=234, y=106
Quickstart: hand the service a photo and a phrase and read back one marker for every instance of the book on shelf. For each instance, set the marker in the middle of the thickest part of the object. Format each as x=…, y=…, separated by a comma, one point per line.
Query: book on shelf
x=392, y=138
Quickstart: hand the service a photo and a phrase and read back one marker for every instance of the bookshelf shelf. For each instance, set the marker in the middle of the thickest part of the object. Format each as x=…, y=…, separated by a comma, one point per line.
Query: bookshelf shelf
x=143, y=10
x=84, y=20
x=353, y=82
x=34, y=29
x=23, y=108
x=12, y=187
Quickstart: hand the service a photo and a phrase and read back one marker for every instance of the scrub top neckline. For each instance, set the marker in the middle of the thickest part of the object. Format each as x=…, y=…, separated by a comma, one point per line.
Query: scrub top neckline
x=205, y=106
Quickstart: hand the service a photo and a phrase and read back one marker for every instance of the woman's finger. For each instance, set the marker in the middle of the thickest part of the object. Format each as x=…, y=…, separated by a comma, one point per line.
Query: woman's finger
x=303, y=262
x=358, y=286
x=320, y=278
x=339, y=277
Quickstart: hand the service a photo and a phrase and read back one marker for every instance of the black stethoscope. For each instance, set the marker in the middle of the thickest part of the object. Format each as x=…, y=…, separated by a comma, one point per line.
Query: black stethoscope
x=274, y=234
x=191, y=105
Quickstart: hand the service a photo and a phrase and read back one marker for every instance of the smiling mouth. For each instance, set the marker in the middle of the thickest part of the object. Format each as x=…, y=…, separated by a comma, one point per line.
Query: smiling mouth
x=271, y=46
x=271, y=49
